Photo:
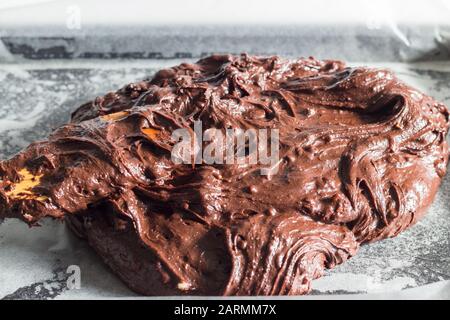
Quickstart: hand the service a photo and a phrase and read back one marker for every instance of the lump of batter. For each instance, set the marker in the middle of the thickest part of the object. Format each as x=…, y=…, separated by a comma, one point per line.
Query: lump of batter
x=361, y=157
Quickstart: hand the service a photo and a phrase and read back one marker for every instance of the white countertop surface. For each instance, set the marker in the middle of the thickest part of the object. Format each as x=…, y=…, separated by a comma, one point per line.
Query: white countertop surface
x=372, y=13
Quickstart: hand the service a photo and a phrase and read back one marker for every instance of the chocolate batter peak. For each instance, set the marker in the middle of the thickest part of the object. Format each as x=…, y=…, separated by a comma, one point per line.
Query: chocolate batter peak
x=361, y=157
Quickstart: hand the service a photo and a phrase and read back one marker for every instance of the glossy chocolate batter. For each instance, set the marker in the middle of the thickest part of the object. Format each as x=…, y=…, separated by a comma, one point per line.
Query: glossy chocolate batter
x=361, y=157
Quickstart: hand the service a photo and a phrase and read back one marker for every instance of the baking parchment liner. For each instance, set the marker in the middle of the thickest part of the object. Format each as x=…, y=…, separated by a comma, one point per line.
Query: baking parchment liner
x=36, y=98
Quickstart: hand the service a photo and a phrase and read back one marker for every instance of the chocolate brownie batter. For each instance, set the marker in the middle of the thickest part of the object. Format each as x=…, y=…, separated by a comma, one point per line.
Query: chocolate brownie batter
x=361, y=157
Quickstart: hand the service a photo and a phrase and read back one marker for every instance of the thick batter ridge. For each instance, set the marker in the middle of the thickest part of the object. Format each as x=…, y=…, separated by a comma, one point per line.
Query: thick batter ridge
x=361, y=158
